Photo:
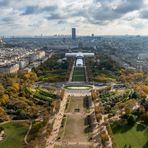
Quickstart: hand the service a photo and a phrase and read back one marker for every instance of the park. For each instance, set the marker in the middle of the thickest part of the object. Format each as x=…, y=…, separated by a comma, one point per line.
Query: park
x=82, y=112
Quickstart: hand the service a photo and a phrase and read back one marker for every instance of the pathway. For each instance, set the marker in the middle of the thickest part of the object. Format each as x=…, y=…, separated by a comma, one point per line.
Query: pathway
x=26, y=136
x=57, y=123
x=71, y=73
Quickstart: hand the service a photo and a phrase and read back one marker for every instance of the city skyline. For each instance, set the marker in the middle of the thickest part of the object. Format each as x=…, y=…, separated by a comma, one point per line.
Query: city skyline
x=50, y=17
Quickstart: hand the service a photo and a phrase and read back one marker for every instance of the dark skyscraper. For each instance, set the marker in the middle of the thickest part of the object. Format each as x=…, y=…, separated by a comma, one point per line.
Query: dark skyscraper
x=74, y=33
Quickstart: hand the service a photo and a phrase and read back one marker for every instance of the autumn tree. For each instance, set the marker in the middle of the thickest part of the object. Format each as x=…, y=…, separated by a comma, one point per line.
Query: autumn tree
x=4, y=99
x=104, y=137
x=2, y=89
x=98, y=117
x=3, y=115
x=93, y=94
x=15, y=87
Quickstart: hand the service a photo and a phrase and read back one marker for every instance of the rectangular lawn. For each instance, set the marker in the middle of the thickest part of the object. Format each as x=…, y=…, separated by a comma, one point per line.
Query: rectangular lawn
x=79, y=74
x=136, y=136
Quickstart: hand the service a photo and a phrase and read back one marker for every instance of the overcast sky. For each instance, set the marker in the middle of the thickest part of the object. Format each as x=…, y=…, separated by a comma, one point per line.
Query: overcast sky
x=49, y=17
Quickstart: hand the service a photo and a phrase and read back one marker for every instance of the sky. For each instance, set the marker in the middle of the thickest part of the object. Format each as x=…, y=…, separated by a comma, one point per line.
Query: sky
x=50, y=17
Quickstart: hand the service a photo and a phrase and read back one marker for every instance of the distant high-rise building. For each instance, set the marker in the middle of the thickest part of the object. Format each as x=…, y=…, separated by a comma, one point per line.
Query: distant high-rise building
x=74, y=33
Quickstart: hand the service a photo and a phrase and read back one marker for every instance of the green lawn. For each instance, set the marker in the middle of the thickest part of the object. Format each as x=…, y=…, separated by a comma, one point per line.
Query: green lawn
x=75, y=102
x=136, y=136
x=15, y=133
x=79, y=70
x=79, y=74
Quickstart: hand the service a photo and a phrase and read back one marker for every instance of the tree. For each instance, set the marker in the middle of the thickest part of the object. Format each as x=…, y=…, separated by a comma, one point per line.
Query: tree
x=144, y=117
x=130, y=146
x=87, y=102
x=30, y=78
x=20, y=114
x=2, y=89
x=97, y=110
x=62, y=93
x=131, y=120
x=26, y=76
x=3, y=115
x=98, y=117
x=33, y=76
x=128, y=110
x=93, y=94
x=134, y=95
x=141, y=109
x=15, y=87
x=55, y=105
x=104, y=137
x=145, y=89
x=4, y=99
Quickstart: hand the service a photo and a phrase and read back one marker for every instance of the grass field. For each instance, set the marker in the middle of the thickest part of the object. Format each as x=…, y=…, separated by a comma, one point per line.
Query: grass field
x=136, y=136
x=75, y=102
x=15, y=133
x=79, y=74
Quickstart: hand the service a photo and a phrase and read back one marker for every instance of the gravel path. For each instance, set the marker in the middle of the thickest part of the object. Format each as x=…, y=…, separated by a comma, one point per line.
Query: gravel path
x=57, y=124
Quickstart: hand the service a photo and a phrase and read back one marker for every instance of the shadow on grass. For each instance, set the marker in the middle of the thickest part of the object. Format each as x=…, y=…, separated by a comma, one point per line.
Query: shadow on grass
x=117, y=128
x=87, y=102
x=140, y=127
x=145, y=145
x=88, y=123
x=88, y=120
x=88, y=129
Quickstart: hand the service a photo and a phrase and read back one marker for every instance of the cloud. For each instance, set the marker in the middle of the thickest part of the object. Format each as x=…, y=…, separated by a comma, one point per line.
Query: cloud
x=4, y=3
x=28, y=10
x=56, y=16
x=144, y=14
x=109, y=11
x=26, y=14
x=129, y=5
x=8, y=20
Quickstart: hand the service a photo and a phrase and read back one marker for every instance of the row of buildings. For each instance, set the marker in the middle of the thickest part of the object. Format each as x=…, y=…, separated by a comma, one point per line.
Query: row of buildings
x=130, y=52
x=22, y=62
